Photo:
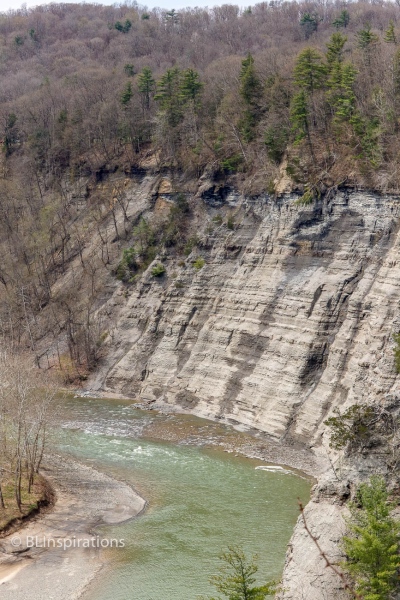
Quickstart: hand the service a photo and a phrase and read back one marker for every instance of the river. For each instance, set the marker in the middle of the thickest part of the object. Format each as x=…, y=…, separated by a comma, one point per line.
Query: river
x=200, y=500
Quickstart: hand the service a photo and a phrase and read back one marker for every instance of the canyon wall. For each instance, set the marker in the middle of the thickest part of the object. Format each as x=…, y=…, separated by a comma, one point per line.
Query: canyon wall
x=291, y=316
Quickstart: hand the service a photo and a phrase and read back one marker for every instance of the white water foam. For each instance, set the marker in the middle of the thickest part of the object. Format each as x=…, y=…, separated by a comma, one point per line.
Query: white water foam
x=273, y=469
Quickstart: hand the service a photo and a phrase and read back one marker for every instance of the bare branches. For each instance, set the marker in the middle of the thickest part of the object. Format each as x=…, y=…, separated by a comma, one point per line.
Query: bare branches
x=26, y=401
x=328, y=562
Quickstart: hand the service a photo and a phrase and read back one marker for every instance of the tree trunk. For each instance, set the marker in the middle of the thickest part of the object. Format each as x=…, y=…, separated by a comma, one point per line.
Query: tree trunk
x=2, y=505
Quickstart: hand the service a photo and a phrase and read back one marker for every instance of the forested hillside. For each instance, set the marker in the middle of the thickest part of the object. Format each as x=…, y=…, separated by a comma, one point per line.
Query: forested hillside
x=304, y=95
x=85, y=87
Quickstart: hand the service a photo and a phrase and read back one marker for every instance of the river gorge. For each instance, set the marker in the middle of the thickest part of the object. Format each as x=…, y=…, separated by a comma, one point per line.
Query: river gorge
x=200, y=500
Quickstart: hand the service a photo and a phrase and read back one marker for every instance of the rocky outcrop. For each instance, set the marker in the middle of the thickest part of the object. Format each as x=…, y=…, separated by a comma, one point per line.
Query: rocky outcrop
x=291, y=316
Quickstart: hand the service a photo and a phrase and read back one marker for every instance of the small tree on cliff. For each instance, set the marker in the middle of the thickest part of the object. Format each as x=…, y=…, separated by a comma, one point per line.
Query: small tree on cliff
x=236, y=580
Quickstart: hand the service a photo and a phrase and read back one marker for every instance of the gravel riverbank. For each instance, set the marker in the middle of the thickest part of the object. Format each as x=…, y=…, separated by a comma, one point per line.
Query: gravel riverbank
x=36, y=562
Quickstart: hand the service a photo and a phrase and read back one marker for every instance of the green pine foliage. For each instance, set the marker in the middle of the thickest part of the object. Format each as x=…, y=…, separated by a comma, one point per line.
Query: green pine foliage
x=310, y=70
x=396, y=338
x=276, y=140
x=372, y=548
x=236, y=578
x=396, y=75
x=11, y=133
x=306, y=199
x=144, y=237
x=336, y=79
x=176, y=227
x=123, y=27
x=190, y=87
x=142, y=252
x=175, y=90
x=342, y=20
x=251, y=91
x=199, y=263
x=127, y=94
x=335, y=47
x=129, y=69
x=299, y=115
x=352, y=427
x=127, y=266
x=390, y=34
x=172, y=17
x=309, y=23
x=168, y=94
x=158, y=270
x=341, y=95
x=146, y=86
x=366, y=38
x=368, y=131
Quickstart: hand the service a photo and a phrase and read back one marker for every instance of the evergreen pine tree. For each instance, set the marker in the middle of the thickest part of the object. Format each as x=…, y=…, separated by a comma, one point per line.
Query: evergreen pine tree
x=366, y=39
x=309, y=23
x=190, y=87
x=251, y=90
x=335, y=48
x=310, y=71
x=127, y=94
x=396, y=76
x=172, y=17
x=390, y=35
x=299, y=115
x=341, y=92
x=250, y=84
x=342, y=20
x=146, y=86
x=236, y=580
x=169, y=97
x=129, y=70
x=373, y=547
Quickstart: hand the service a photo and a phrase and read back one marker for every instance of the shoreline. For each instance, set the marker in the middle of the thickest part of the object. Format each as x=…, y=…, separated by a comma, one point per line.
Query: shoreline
x=44, y=504
x=85, y=499
x=249, y=442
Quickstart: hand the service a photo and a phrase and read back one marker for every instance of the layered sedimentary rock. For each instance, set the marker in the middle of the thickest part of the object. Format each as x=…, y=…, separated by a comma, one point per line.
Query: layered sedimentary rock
x=291, y=316
x=293, y=313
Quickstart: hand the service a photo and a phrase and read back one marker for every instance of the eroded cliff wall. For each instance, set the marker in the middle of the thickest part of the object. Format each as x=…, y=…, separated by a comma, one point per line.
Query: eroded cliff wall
x=291, y=315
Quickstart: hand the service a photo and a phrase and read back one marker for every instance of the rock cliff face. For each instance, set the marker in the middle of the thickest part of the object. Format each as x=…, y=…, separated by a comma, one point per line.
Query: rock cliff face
x=291, y=316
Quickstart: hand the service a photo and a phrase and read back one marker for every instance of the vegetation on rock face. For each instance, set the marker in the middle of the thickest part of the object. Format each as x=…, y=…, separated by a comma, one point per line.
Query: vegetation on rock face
x=236, y=580
x=199, y=263
x=372, y=548
x=353, y=427
x=396, y=338
x=373, y=427
x=158, y=270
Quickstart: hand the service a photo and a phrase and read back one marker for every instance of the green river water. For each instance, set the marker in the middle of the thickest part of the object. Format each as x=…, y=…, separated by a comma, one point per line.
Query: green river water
x=199, y=501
